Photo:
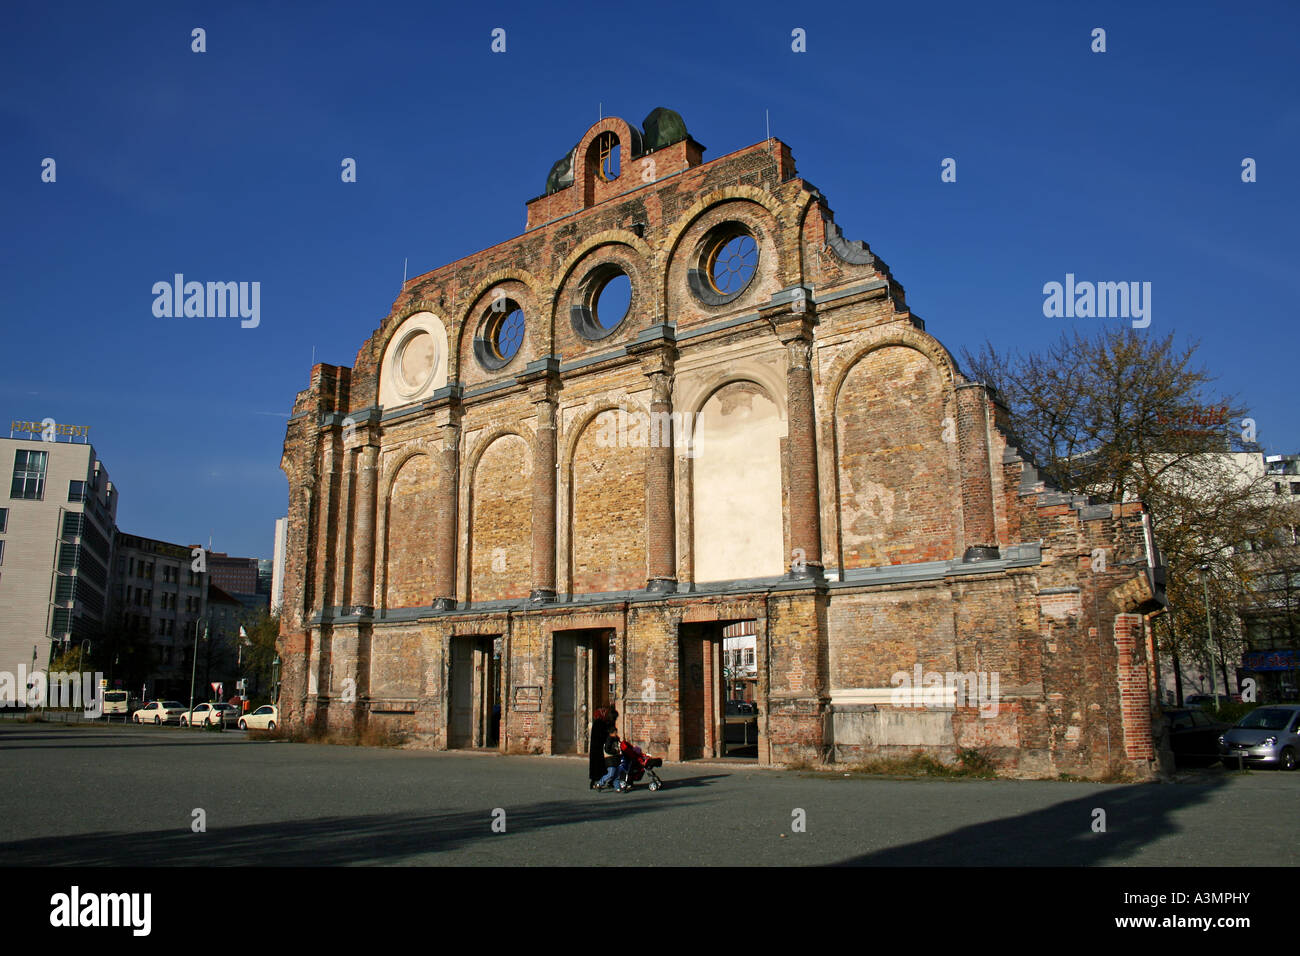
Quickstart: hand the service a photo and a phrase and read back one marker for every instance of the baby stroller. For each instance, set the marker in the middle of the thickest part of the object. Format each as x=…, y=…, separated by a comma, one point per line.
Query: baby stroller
x=638, y=765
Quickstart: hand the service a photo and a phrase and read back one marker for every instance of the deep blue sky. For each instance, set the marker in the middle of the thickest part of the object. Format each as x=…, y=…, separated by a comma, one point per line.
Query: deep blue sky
x=225, y=166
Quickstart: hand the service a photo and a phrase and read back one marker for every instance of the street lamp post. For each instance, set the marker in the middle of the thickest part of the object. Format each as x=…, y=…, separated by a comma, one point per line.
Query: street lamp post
x=1209, y=628
x=239, y=666
x=194, y=666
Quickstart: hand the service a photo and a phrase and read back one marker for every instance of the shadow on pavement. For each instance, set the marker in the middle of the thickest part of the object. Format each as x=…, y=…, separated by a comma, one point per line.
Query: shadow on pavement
x=1059, y=835
x=385, y=839
x=672, y=783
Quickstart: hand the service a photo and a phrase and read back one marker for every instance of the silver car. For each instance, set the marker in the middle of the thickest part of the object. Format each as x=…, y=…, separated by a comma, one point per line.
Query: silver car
x=1267, y=736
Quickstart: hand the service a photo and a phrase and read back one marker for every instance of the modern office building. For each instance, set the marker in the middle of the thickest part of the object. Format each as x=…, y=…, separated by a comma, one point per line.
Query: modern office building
x=57, y=526
x=233, y=575
x=1271, y=613
x=243, y=578
x=1284, y=473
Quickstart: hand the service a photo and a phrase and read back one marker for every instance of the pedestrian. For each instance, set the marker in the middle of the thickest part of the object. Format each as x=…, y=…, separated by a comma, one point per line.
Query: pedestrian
x=613, y=756
x=601, y=721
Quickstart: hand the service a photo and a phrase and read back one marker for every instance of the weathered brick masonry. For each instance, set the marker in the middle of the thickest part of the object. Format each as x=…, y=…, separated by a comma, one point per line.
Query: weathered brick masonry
x=492, y=506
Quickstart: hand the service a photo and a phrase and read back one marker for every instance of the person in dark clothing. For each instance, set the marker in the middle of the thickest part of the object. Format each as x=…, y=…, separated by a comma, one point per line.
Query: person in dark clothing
x=601, y=722
x=613, y=761
x=596, y=755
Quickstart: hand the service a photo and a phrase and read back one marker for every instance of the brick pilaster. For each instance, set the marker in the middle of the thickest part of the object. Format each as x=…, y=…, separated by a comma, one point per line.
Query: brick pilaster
x=1134, y=689
x=793, y=319
x=543, y=380
x=326, y=523
x=658, y=356
x=345, y=527
x=363, y=535
x=445, y=517
x=976, y=478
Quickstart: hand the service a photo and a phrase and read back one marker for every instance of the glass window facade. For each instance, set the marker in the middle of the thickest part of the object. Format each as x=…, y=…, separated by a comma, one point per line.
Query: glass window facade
x=29, y=474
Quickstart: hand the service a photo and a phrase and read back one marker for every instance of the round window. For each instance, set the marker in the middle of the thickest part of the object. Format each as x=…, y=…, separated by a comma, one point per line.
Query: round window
x=612, y=301
x=416, y=361
x=507, y=334
x=604, y=301
x=501, y=334
x=732, y=263
x=726, y=264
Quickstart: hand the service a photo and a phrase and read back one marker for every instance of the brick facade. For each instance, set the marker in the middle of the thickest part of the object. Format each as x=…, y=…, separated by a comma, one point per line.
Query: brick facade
x=524, y=528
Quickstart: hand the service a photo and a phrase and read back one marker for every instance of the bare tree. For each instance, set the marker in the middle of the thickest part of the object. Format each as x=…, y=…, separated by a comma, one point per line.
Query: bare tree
x=1122, y=415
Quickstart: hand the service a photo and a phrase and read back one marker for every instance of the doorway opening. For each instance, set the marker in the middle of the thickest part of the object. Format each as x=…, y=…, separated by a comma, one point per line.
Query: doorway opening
x=718, y=679
x=474, y=692
x=581, y=685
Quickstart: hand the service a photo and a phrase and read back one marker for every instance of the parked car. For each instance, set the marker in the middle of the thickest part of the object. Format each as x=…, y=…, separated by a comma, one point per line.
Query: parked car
x=159, y=712
x=210, y=714
x=1267, y=736
x=1193, y=737
x=264, y=718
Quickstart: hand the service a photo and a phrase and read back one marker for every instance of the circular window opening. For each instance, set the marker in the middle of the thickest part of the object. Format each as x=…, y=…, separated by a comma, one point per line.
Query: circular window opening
x=612, y=301
x=727, y=263
x=501, y=335
x=416, y=361
x=507, y=334
x=607, y=156
x=732, y=263
x=604, y=302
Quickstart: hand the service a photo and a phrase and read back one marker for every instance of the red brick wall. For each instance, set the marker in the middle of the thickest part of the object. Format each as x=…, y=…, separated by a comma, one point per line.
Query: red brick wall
x=896, y=474
x=1134, y=686
x=411, y=554
x=874, y=635
x=609, y=518
x=864, y=458
x=501, y=521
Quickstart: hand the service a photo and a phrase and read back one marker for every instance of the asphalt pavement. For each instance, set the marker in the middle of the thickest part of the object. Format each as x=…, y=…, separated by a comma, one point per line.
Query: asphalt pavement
x=94, y=795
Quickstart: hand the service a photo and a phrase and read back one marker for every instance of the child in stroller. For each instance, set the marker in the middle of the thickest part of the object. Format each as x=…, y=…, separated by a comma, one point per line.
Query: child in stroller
x=634, y=765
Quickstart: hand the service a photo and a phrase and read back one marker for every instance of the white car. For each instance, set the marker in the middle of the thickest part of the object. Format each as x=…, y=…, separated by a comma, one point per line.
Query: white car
x=159, y=712
x=264, y=718
x=210, y=714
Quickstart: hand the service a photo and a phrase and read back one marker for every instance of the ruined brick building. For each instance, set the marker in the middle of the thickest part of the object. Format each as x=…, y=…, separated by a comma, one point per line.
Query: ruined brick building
x=527, y=498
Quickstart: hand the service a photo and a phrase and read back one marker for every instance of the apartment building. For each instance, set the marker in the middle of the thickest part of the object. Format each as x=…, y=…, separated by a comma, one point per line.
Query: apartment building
x=57, y=527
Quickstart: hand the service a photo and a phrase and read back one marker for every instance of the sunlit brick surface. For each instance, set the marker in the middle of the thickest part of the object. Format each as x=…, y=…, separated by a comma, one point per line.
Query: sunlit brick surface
x=852, y=495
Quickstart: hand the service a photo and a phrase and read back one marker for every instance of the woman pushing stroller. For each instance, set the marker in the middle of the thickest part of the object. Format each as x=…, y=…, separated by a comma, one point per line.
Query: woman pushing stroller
x=626, y=764
x=614, y=766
